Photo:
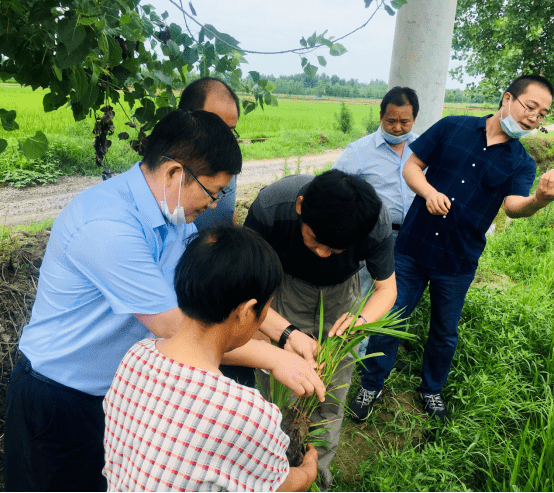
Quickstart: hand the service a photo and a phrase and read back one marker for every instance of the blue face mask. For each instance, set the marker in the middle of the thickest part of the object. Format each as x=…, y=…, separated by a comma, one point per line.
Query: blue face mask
x=395, y=139
x=510, y=127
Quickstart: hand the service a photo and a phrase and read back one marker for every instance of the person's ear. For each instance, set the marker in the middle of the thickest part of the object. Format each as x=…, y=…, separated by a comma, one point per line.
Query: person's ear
x=246, y=310
x=506, y=99
x=172, y=172
x=299, y=205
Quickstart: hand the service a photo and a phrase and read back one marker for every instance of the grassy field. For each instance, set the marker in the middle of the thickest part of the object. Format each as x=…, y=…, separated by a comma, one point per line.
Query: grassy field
x=299, y=126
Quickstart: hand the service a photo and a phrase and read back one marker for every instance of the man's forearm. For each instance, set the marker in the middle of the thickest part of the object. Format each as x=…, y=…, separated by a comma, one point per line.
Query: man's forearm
x=517, y=206
x=416, y=180
x=254, y=354
x=381, y=300
x=274, y=325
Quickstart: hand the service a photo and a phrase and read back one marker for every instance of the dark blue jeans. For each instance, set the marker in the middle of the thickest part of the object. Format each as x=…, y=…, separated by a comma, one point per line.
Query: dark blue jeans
x=447, y=295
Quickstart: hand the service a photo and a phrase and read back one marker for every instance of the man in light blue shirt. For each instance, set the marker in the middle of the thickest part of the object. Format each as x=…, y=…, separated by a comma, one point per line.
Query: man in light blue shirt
x=379, y=158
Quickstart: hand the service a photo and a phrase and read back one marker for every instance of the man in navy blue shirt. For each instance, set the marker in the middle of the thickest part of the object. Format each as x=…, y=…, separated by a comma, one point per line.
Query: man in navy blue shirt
x=473, y=165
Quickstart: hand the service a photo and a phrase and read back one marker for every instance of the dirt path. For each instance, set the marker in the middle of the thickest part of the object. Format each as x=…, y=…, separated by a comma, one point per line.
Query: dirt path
x=21, y=206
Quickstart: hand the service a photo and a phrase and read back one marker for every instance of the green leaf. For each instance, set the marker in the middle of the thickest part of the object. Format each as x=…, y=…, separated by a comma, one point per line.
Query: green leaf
x=34, y=147
x=322, y=61
x=81, y=81
x=398, y=3
x=311, y=40
x=114, y=51
x=71, y=34
x=58, y=72
x=248, y=107
x=170, y=96
x=87, y=21
x=304, y=61
x=367, y=3
x=389, y=10
x=192, y=9
x=166, y=79
x=303, y=42
x=337, y=50
x=274, y=102
x=52, y=101
x=3, y=145
x=310, y=70
x=165, y=15
x=8, y=120
x=103, y=44
x=255, y=76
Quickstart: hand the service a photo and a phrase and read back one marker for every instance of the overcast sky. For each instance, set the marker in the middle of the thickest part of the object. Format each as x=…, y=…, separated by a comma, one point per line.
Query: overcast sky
x=279, y=25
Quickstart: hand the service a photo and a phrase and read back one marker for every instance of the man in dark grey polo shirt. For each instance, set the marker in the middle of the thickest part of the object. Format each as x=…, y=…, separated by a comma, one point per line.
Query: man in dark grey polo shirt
x=322, y=229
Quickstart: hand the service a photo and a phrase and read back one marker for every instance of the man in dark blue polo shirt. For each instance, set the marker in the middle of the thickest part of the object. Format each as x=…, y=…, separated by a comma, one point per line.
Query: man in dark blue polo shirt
x=473, y=165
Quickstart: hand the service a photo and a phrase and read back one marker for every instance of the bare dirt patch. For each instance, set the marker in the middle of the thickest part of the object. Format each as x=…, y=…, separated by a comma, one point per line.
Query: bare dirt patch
x=38, y=203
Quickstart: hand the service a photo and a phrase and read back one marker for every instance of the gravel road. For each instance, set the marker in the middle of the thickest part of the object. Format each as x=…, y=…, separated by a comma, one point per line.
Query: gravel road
x=21, y=206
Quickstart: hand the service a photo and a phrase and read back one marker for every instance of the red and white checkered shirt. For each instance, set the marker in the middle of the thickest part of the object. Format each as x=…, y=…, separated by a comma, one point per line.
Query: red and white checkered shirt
x=174, y=427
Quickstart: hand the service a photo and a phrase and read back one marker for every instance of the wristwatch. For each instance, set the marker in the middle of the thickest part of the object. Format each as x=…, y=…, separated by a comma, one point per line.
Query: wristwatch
x=285, y=335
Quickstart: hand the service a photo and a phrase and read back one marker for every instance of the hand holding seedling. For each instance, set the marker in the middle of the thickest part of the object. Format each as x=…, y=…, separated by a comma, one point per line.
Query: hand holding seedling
x=303, y=345
x=298, y=375
x=301, y=478
x=343, y=322
x=545, y=190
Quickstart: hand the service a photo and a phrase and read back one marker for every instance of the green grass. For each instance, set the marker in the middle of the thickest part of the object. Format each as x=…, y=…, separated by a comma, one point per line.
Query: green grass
x=297, y=127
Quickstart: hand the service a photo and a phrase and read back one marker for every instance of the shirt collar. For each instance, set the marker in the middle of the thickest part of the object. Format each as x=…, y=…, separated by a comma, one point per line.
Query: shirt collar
x=144, y=198
x=482, y=125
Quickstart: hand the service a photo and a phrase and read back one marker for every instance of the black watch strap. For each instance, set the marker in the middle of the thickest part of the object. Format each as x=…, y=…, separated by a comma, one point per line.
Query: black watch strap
x=285, y=335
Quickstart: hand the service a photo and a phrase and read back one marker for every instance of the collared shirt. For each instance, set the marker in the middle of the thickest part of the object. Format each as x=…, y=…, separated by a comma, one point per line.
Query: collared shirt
x=273, y=215
x=375, y=161
x=476, y=178
x=111, y=253
x=172, y=427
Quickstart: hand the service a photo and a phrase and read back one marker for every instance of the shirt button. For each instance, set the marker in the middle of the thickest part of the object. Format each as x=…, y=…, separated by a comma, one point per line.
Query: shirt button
x=453, y=199
x=444, y=217
x=473, y=165
x=436, y=234
x=463, y=181
x=484, y=148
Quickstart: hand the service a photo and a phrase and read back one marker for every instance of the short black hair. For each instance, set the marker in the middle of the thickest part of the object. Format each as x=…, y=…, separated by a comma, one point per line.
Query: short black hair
x=222, y=268
x=197, y=139
x=340, y=208
x=194, y=95
x=399, y=96
x=518, y=86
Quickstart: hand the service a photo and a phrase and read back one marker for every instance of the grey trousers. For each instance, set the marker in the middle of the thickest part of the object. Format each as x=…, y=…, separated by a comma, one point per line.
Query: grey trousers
x=299, y=303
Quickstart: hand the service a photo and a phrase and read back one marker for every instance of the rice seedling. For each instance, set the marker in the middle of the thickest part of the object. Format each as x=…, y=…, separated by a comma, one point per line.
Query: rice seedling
x=331, y=352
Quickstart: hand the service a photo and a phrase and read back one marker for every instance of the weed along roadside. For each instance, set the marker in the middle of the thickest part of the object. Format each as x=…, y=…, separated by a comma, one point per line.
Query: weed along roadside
x=500, y=389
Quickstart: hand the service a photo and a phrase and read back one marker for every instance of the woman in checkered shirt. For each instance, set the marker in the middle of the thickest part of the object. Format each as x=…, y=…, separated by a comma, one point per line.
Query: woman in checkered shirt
x=173, y=421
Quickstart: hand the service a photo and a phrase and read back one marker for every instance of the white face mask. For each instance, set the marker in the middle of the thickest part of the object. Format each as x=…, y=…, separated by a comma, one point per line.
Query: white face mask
x=178, y=216
x=510, y=126
x=395, y=139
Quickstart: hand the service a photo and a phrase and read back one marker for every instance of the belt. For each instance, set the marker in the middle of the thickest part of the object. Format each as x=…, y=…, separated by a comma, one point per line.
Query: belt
x=396, y=227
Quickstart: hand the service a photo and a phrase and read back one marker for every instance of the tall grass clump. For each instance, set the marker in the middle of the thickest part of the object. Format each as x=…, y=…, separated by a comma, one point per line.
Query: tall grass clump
x=500, y=388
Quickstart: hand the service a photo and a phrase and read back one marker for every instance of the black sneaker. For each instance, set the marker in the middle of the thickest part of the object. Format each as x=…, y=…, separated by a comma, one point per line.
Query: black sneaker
x=362, y=405
x=434, y=406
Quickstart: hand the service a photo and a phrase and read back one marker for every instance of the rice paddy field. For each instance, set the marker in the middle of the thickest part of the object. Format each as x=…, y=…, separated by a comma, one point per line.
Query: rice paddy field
x=298, y=126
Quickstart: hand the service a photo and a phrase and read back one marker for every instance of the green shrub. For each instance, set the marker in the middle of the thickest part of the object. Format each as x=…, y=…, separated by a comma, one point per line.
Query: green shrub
x=539, y=148
x=371, y=123
x=344, y=118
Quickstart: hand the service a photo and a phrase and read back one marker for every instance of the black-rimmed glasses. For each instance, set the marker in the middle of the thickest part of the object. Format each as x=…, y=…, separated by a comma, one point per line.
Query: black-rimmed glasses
x=529, y=113
x=214, y=200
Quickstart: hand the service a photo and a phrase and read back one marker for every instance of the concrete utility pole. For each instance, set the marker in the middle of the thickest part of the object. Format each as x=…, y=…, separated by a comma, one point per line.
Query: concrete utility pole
x=421, y=53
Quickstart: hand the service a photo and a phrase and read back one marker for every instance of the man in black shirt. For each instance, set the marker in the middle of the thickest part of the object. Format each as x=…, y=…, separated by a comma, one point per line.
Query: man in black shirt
x=322, y=229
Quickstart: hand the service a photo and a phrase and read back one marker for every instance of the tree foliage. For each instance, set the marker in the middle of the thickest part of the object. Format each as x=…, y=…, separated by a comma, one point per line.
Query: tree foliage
x=92, y=54
x=502, y=39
